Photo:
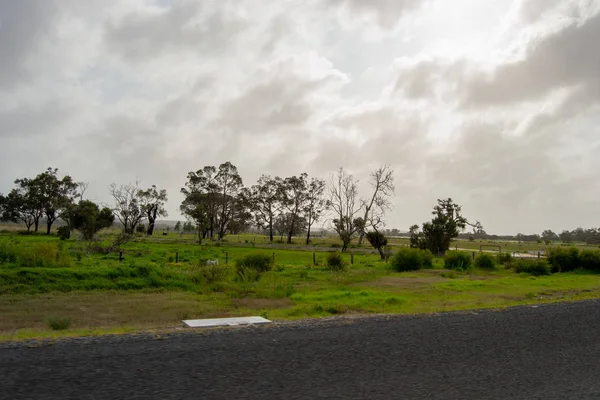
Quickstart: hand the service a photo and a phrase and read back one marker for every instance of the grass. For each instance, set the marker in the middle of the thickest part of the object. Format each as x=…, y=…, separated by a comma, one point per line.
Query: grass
x=50, y=288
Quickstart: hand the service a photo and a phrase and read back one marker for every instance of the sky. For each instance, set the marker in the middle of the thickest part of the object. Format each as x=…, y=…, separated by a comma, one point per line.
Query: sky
x=494, y=103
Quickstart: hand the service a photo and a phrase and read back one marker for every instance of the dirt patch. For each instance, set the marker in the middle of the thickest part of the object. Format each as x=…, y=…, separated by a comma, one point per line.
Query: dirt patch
x=404, y=282
x=263, y=303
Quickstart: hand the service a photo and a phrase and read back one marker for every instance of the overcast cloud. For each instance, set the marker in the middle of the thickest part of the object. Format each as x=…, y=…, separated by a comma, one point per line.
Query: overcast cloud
x=494, y=103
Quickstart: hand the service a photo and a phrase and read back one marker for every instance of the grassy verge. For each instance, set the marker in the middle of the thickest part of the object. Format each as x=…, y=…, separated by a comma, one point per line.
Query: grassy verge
x=101, y=312
x=50, y=288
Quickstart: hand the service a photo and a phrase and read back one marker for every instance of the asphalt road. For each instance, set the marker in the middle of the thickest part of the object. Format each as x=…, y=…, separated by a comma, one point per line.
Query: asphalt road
x=548, y=352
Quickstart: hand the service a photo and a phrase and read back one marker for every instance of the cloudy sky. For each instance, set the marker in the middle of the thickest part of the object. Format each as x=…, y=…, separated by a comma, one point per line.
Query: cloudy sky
x=494, y=103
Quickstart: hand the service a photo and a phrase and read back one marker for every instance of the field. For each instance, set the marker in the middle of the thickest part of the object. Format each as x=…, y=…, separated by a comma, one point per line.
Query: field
x=50, y=287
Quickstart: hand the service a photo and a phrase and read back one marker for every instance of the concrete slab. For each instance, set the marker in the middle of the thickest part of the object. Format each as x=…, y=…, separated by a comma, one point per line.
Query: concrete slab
x=206, y=323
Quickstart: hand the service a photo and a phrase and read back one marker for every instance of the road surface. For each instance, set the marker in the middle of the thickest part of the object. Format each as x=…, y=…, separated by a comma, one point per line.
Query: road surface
x=545, y=352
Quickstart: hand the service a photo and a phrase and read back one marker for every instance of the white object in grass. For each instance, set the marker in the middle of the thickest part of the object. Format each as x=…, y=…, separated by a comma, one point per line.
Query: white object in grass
x=205, y=323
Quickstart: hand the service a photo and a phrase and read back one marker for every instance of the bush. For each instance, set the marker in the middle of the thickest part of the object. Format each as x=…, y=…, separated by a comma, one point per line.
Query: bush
x=563, y=260
x=590, y=259
x=485, y=261
x=64, y=232
x=534, y=267
x=259, y=262
x=427, y=258
x=335, y=262
x=409, y=259
x=504, y=258
x=457, y=260
x=141, y=228
x=59, y=324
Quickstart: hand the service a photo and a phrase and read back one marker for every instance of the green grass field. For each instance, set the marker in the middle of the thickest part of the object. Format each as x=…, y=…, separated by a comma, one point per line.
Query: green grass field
x=52, y=288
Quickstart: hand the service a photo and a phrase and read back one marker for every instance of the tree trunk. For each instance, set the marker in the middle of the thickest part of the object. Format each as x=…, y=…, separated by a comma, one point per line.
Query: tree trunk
x=151, y=219
x=36, y=223
x=150, y=229
x=48, y=226
x=360, y=237
x=381, y=253
x=308, y=235
x=271, y=231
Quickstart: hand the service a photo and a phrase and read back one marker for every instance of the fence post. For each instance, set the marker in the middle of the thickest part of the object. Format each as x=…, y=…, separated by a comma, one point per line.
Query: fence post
x=176, y=257
x=473, y=255
x=351, y=258
x=120, y=256
x=226, y=257
x=314, y=258
x=538, y=254
x=273, y=259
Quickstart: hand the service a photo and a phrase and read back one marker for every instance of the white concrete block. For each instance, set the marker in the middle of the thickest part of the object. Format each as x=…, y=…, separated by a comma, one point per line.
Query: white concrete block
x=205, y=323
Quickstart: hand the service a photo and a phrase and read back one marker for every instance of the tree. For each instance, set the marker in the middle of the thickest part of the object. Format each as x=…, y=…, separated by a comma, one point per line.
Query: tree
x=188, y=227
x=417, y=240
x=153, y=205
x=127, y=205
x=446, y=224
x=382, y=182
x=283, y=224
x=195, y=206
x=263, y=200
x=23, y=204
x=293, y=195
x=565, y=237
x=229, y=183
x=55, y=194
x=343, y=193
x=548, y=236
x=2, y=207
x=211, y=195
x=89, y=219
x=315, y=204
x=378, y=241
x=177, y=227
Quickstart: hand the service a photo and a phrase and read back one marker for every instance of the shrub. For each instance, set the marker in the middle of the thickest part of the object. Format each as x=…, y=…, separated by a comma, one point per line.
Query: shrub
x=457, y=260
x=590, y=259
x=504, y=258
x=563, y=260
x=335, y=262
x=485, y=261
x=64, y=232
x=141, y=228
x=213, y=273
x=59, y=324
x=534, y=267
x=427, y=258
x=259, y=262
x=409, y=259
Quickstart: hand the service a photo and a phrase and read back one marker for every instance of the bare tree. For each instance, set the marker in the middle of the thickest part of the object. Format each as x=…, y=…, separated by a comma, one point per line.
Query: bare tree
x=343, y=201
x=315, y=204
x=382, y=182
x=127, y=205
x=83, y=186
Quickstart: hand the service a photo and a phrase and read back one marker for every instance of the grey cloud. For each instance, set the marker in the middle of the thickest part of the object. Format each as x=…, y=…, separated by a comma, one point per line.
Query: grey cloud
x=23, y=24
x=283, y=101
x=184, y=25
x=27, y=121
x=560, y=60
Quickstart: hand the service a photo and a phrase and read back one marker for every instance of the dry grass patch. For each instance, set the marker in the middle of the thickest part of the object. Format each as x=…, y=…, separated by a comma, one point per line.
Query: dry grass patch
x=259, y=304
x=402, y=282
x=108, y=309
